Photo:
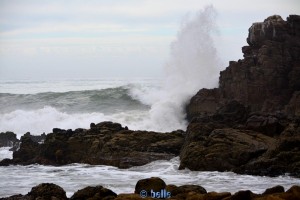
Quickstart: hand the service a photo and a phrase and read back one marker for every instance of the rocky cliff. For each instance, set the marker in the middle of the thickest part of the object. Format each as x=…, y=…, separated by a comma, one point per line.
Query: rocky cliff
x=250, y=123
x=267, y=79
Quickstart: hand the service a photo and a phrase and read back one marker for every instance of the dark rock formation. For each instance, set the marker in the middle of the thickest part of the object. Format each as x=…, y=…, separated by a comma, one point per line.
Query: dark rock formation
x=267, y=79
x=148, y=184
x=97, y=192
x=48, y=191
x=44, y=191
x=274, y=190
x=250, y=123
x=36, y=138
x=8, y=139
x=224, y=150
x=105, y=143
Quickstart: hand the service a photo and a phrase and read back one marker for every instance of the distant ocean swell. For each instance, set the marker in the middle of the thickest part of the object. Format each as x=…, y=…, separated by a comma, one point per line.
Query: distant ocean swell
x=107, y=100
x=41, y=112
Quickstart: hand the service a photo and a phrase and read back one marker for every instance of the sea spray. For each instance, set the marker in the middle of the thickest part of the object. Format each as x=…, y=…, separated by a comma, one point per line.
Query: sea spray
x=193, y=65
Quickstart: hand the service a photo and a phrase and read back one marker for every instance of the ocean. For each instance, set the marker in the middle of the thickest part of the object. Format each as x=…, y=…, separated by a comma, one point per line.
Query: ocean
x=39, y=106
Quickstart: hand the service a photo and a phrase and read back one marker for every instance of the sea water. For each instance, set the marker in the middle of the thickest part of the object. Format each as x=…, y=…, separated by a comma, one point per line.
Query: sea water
x=39, y=106
x=20, y=179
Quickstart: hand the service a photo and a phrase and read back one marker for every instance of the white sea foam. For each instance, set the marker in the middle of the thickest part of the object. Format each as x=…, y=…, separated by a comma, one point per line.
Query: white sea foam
x=47, y=118
x=77, y=176
x=5, y=153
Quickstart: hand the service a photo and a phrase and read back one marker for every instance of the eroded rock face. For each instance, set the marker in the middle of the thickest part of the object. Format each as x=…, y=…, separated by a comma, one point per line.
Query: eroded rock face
x=250, y=123
x=268, y=76
x=105, y=143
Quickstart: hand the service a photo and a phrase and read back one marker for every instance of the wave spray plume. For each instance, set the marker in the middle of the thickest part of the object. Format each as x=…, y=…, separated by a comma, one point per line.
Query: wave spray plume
x=193, y=65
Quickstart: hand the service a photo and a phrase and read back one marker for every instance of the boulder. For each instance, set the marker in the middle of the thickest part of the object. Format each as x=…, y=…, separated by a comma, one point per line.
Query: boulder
x=47, y=191
x=146, y=185
x=273, y=190
x=94, y=193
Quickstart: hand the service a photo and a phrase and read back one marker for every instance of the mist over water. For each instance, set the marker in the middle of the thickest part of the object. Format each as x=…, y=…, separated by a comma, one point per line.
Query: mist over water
x=193, y=64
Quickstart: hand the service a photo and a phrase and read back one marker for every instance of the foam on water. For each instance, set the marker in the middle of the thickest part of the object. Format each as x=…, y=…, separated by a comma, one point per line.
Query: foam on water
x=77, y=176
x=5, y=153
x=47, y=118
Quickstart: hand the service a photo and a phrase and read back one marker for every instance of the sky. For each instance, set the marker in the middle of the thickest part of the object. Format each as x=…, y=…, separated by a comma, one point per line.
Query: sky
x=115, y=38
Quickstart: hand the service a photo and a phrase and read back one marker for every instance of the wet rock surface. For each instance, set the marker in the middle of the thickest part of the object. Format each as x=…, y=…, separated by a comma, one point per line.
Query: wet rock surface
x=49, y=191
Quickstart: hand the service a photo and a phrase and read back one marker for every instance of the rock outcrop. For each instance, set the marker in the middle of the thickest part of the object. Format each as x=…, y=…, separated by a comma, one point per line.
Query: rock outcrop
x=105, y=143
x=267, y=79
x=49, y=191
x=8, y=139
x=250, y=123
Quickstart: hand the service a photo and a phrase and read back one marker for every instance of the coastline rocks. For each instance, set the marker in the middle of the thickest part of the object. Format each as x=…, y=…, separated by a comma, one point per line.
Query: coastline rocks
x=8, y=139
x=50, y=191
x=268, y=76
x=250, y=124
x=44, y=191
x=97, y=192
x=105, y=143
x=224, y=150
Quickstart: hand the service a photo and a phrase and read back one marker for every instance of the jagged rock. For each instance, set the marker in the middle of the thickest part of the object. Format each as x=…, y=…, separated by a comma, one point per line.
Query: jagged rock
x=36, y=138
x=250, y=123
x=105, y=143
x=266, y=78
x=8, y=139
x=28, y=150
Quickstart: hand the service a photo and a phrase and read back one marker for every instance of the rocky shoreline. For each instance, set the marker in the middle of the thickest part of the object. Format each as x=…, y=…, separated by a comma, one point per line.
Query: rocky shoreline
x=155, y=188
x=106, y=143
x=250, y=124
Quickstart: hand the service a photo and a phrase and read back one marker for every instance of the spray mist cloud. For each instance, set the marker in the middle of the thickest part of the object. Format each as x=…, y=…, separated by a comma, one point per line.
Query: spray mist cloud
x=193, y=64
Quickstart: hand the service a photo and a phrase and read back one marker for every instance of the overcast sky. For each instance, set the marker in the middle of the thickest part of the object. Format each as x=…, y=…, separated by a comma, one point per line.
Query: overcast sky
x=114, y=38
